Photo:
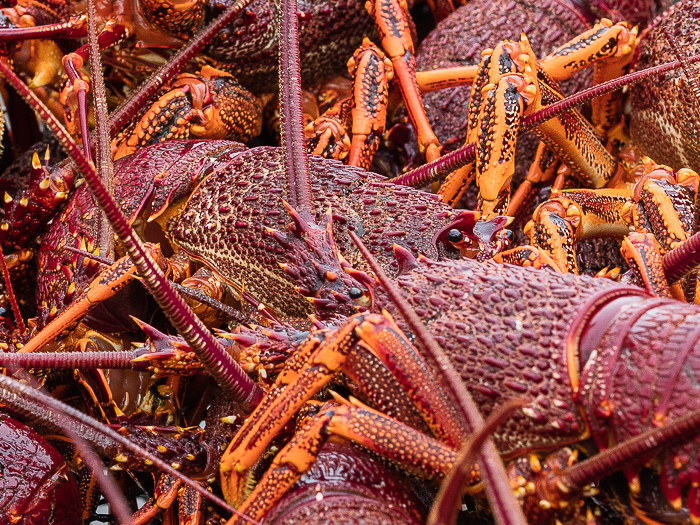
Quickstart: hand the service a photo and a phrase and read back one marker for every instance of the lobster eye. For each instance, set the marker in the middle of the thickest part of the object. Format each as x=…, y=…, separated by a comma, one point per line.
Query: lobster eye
x=455, y=236
x=355, y=293
x=509, y=235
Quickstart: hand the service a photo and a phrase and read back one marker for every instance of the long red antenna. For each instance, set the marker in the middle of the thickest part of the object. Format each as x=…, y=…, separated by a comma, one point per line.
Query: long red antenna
x=498, y=489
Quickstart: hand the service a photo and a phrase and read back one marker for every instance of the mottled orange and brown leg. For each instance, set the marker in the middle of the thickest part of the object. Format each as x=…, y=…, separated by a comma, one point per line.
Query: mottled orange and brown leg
x=372, y=72
x=611, y=47
x=391, y=19
x=210, y=104
x=164, y=496
x=108, y=283
x=312, y=367
x=374, y=431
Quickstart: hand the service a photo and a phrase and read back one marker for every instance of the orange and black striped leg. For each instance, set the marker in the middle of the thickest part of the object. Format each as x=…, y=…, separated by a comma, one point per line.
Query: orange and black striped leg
x=209, y=104
x=372, y=72
x=611, y=47
x=426, y=456
x=532, y=256
x=643, y=254
x=438, y=79
x=312, y=367
x=663, y=197
x=572, y=138
x=508, y=86
x=391, y=19
x=457, y=182
x=572, y=215
x=108, y=283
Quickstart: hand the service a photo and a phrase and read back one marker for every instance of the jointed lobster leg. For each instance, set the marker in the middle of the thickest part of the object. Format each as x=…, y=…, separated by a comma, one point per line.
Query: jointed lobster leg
x=509, y=85
x=643, y=253
x=369, y=428
x=572, y=215
x=311, y=368
x=390, y=17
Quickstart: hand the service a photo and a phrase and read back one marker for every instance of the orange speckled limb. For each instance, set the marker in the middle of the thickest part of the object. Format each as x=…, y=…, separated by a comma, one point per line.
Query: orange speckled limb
x=395, y=441
x=643, y=253
x=328, y=134
x=310, y=369
x=104, y=286
x=210, y=104
x=662, y=197
x=533, y=256
x=497, y=91
x=372, y=72
x=394, y=28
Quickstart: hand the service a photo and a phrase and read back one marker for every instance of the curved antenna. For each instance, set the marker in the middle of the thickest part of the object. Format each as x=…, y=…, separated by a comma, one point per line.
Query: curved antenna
x=452, y=161
x=213, y=356
x=498, y=490
x=28, y=401
x=292, y=125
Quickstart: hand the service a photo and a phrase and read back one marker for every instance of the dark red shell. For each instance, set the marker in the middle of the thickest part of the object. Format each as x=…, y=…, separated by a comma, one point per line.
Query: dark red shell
x=224, y=221
x=664, y=120
x=505, y=329
x=329, y=33
x=345, y=485
x=36, y=486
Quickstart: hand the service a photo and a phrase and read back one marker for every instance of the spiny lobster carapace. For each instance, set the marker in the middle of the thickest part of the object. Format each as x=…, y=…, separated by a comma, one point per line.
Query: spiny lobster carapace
x=496, y=303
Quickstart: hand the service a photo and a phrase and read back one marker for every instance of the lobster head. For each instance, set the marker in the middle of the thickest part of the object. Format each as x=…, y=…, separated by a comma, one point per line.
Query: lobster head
x=321, y=273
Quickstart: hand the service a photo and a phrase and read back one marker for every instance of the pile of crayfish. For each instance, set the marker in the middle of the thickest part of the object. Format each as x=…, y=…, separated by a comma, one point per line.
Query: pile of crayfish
x=341, y=262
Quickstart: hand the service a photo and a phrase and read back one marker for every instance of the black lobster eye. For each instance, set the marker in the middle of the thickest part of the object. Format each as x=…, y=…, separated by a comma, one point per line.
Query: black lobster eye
x=455, y=236
x=355, y=293
x=509, y=235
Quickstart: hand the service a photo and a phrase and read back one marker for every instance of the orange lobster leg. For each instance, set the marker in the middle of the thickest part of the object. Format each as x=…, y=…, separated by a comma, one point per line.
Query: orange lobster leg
x=369, y=428
x=108, y=283
x=572, y=215
x=445, y=78
x=311, y=368
x=643, y=252
x=575, y=142
x=371, y=72
x=390, y=17
x=611, y=47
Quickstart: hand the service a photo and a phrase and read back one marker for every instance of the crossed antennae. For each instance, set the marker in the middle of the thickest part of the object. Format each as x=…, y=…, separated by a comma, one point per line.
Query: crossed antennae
x=498, y=489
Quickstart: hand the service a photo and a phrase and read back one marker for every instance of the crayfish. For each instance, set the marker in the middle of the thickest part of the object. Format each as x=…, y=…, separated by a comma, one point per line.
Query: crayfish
x=348, y=272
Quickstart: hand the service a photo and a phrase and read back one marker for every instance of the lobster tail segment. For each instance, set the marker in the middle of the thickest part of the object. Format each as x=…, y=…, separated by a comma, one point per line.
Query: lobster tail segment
x=641, y=375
